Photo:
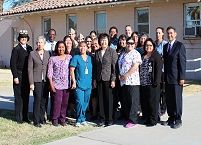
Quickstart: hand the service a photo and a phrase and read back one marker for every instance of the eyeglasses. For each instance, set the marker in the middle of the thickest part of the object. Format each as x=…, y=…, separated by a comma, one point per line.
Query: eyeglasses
x=88, y=41
x=130, y=43
x=149, y=45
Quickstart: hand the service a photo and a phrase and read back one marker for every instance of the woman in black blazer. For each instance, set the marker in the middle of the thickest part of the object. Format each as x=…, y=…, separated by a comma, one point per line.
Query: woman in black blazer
x=150, y=78
x=104, y=77
x=37, y=70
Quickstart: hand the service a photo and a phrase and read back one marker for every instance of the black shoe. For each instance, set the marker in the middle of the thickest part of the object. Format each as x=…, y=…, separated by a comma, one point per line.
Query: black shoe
x=27, y=121
x=150, y=125
x=146, y=122
x=71, y=116
x=38, y=125
x=166, y=123
x=93, y=118
x=101, y=124
x=55, y=124
x=109, y=124
x=19, y=121
x=63, y=124
x=177, y=125
x=43, y=122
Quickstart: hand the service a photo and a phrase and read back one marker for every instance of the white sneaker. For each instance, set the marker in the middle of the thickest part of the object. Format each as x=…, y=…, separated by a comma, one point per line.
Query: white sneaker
x=84, y=123
x=77, y=124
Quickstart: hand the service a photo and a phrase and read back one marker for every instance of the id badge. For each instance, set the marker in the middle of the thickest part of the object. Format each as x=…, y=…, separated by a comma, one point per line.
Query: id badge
x=150, y=69
x=86, y=71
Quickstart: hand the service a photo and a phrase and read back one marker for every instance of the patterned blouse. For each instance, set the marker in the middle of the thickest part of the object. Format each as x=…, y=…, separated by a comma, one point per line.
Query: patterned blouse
x=125, y=62
x=58, y=70
x=146, y=72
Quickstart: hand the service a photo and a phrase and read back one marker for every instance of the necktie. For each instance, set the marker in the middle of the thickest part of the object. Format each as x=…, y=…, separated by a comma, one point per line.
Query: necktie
x=52, y=46
x=169, y=48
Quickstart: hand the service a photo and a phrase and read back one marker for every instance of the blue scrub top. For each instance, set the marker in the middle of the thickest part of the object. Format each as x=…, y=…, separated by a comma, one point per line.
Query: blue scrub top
x=83, y=80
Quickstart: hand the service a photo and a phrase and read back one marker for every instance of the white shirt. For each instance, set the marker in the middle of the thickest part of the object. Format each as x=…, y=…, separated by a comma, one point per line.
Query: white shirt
x=48, y=45
x=24, y=46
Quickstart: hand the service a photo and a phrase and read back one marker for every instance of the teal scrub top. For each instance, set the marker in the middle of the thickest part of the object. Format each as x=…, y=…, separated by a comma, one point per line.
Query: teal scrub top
x=83, y=71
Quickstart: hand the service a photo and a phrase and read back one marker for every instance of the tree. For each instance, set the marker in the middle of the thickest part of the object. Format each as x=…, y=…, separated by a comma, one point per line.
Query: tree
x=15, y=3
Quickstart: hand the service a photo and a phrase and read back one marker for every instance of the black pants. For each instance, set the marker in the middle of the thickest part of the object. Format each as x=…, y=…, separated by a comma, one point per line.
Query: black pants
x=174, y=102
x=162, y=95
x=21, y=93
x=119, y=98
x=40, y=96
x=150, y=96
x=130, y=98
x=105, y=101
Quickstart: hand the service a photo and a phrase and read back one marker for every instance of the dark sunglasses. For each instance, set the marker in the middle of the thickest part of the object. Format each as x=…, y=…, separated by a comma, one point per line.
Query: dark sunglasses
x=130, y=43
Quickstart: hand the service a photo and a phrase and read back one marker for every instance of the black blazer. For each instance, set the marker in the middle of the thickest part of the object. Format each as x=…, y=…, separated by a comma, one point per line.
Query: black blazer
x=174, y=63
x=19, y=59
x=156, y=63
x=105, y=67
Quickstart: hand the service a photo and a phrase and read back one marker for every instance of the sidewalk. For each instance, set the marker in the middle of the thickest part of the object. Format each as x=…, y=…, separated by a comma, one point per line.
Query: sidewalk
x=188, y=134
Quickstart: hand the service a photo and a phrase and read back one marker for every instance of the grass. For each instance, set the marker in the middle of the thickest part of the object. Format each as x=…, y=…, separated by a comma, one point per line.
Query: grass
x=27, y=134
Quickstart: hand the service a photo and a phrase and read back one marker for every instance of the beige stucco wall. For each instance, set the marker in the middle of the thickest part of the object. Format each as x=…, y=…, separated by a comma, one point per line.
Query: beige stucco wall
x=161, y=14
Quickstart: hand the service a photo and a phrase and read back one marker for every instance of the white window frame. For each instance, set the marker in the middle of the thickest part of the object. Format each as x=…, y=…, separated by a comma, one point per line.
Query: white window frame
x=185, y=13
x=136, y=15
x=67, y=24
x=100, y=12
x=194, y=28
x=44, y=33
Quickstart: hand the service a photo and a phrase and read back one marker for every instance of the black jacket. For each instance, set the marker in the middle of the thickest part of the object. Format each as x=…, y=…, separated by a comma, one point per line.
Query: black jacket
x=156, y=64
x=19, y=59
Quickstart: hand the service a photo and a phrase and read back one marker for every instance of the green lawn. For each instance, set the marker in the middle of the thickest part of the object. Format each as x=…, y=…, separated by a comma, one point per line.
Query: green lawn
x=12, y=133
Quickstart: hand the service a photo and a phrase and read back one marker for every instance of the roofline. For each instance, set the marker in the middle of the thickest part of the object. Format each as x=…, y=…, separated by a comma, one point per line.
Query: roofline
x=77, y=7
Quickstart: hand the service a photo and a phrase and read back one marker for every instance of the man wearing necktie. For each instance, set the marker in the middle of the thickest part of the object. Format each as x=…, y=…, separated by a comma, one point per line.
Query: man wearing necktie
x=174, y=55
x=50, y=47
x=19, y=65
x=50, y=43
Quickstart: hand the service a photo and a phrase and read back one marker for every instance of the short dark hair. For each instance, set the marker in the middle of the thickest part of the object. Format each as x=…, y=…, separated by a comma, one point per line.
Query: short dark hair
x=82, y=42
x=93, y=31
x=127, y=26
x=103, y=35
x=122, y=36
x=144, y=33
x=129, y=38
x=88, y=37
x=151, y=40
x=57, y=46
x=18, y=38
x=170, y=27
x=135, y=32
x=67, y=36
x=113, y=27
x=51, y=30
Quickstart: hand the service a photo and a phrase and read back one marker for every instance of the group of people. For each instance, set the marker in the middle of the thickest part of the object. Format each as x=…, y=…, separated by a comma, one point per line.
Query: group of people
x=97, y=72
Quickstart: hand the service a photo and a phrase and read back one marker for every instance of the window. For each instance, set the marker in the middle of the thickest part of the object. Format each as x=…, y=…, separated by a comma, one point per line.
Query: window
x=46, y=26
x=100, y=22
x=192, y=21
x=142, y=23
x=72, y=22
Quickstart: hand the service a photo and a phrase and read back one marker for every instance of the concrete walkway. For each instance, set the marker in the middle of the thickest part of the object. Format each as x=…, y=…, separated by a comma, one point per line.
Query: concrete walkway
x=188, y=134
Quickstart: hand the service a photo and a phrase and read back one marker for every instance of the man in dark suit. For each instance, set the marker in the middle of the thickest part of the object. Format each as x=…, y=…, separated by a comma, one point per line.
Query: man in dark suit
x=174, y=55
x=19, y=65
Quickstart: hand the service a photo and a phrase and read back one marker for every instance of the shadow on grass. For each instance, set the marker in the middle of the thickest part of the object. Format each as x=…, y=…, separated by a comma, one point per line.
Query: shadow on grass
x=10, y=114
x=192, y=82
